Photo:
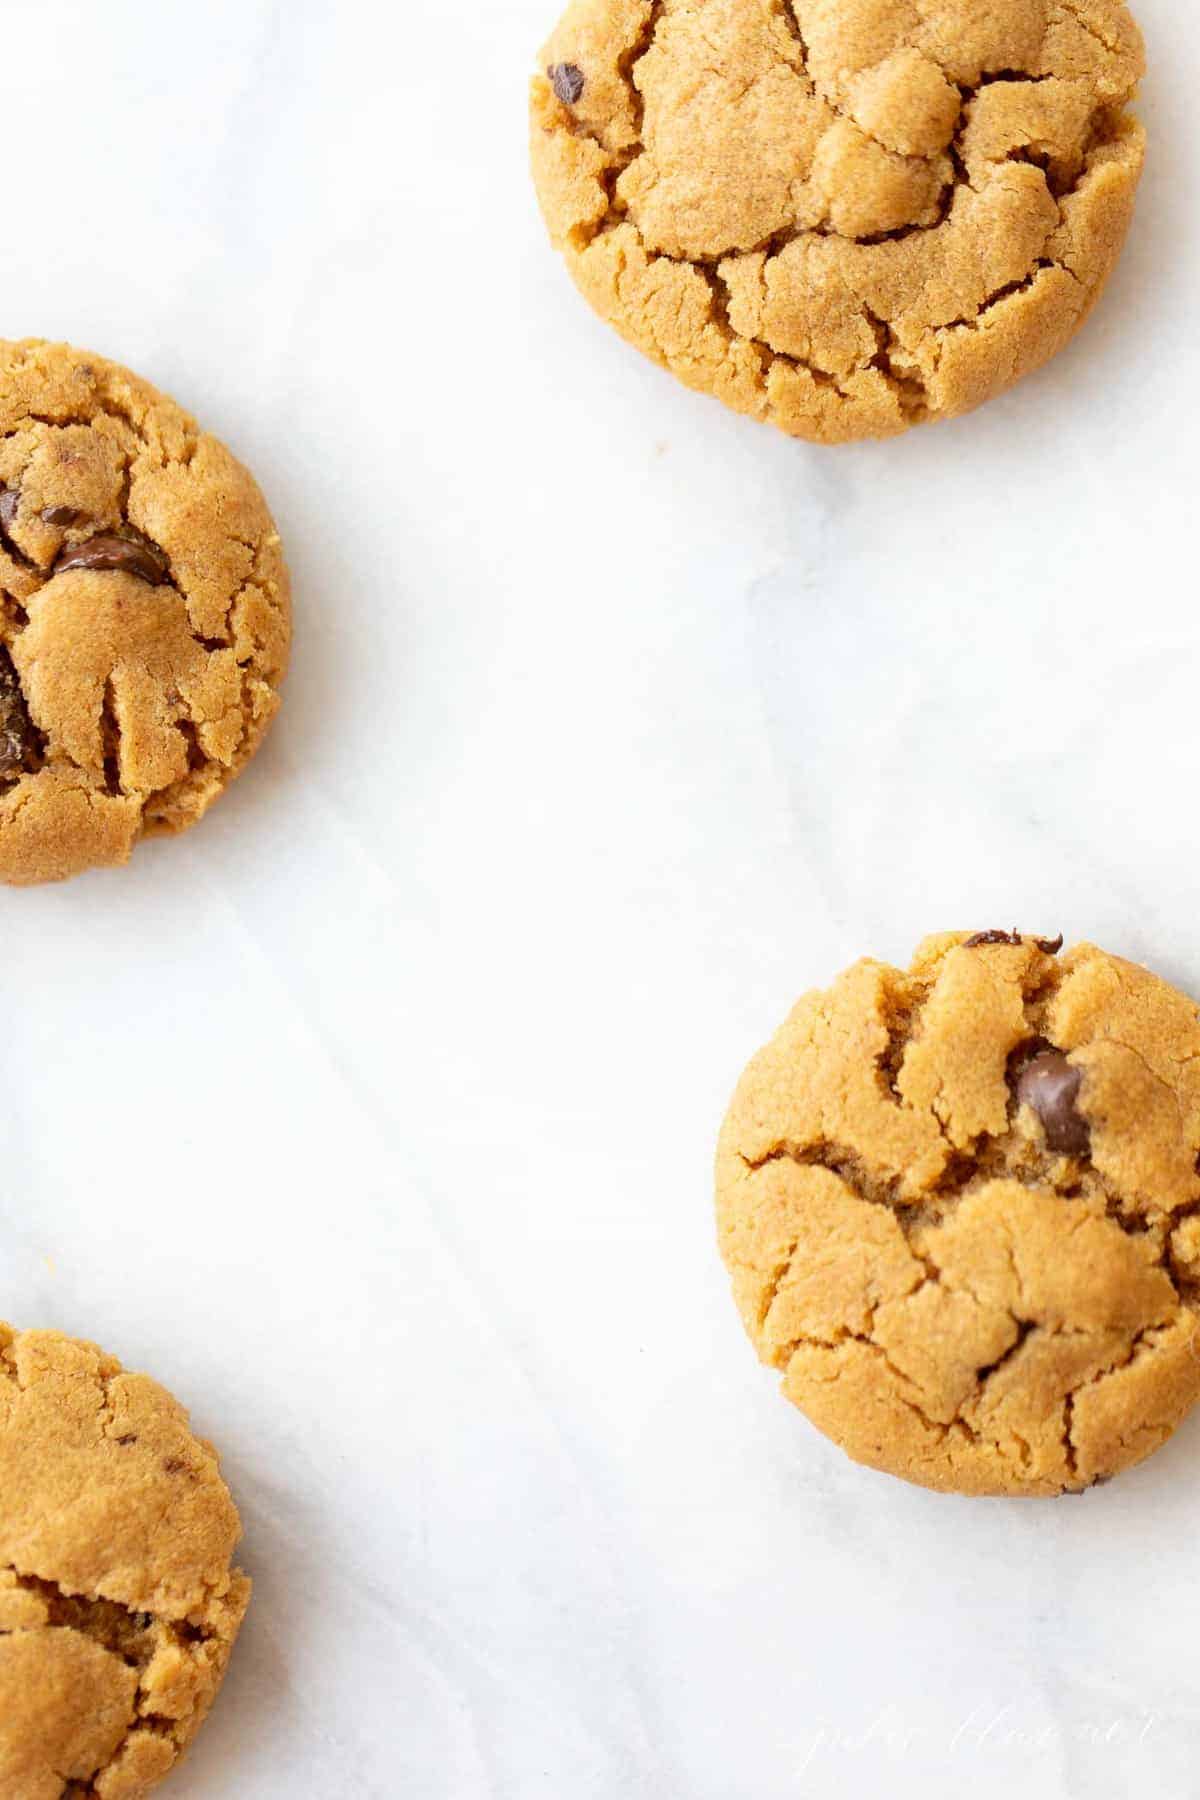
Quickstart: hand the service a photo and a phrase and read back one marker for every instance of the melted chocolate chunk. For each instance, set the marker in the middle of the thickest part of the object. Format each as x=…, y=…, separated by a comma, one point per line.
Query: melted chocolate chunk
x=567, y=80
x=107, y=552
x=10, y=500
x=1049, y=1086
x=62, y=515
x=1048, y=946
x=20, y=746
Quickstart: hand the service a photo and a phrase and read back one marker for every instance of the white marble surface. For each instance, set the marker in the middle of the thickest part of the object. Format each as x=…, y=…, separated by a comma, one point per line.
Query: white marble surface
x=376, y=1116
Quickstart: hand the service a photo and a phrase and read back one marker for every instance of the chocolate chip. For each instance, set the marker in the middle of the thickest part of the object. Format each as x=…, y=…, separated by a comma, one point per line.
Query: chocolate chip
x=1048, y=946
x=567, y=80
x=62, y=515
x=107, y=552
x=20, y=745
x=10, y=500
x=1049, y=1085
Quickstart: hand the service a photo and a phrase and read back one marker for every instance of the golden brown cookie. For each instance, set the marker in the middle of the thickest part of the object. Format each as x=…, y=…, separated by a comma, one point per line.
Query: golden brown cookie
x=842, y=216
x=118, y=1602
x=144, y=614
x=961, y=1211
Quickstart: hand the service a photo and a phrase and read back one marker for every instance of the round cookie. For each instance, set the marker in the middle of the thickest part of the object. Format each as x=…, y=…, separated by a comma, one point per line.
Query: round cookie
x=961, y=1211
x=118, y=1602
x=144, y=614
x=842, y=216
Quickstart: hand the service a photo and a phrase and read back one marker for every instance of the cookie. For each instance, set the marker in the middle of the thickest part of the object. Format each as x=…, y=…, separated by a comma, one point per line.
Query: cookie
x=842, y=216
x=961, y=1212
x=118, y=1602
x=144, y=614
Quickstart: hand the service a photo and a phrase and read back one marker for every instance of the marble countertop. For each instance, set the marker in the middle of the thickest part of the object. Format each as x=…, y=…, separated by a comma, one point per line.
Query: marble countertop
x=375, y=1117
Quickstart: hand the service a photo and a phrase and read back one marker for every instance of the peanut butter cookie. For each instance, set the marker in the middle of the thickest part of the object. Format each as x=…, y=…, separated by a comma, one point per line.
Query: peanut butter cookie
x=144, y=614
x=842, y=216
x=961, y=1211
x=118, y=1602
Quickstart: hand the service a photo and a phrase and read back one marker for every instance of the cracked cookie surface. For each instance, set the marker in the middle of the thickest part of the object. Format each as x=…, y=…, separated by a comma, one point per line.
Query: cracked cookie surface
x=842, y=216
x=961, y=1212
x=118, y=1602
x=144, y=614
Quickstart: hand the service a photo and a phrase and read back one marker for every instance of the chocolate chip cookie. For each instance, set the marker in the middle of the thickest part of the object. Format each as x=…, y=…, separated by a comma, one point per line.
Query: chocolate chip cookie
x=842, y=216
x=144, y=614
x=118, y=1602
x=961, y=1210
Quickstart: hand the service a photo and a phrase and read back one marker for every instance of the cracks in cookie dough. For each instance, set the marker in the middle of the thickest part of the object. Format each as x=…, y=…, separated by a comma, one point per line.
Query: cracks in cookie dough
x=1068, y=1436
x=119, y=1629
x=1025, y=1330
x=108, y=408
x=627, y=63
x=775, y=1281
x=132, y=1637
x=972, y=1431
x=909, y=393
x=785, y=13
x=978, y=321
x=1071, y=9
x=903, y=1388
x=195, y=751
x=903, y=375
x=904, y=1003
x=840, y=1160
x=905, y=1391
x=1125, y=1361
x=765, y=354
x=110, y=738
